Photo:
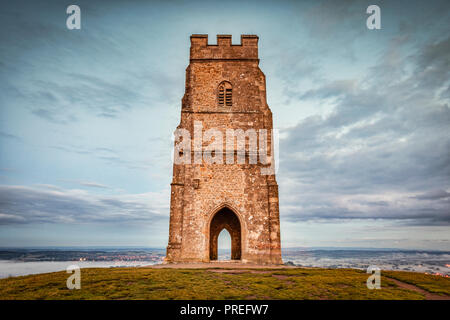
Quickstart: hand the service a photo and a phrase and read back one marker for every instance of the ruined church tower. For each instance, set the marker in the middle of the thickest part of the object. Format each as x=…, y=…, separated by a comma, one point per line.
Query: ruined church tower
x=225, y=89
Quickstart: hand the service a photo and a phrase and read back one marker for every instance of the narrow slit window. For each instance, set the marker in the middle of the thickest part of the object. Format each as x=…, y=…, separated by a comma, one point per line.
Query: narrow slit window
x=221, y=95
x=228, y=95
x=225, y=94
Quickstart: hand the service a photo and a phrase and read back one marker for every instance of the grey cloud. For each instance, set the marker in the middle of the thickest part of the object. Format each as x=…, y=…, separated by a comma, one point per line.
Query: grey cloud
x=93, y=184
x=62, y=102
x=382, y=139
x=333, y=89
x=105, y=149
x=112, y=157
x=327, y=18
x=39, y=204
x=332, y=206
x=433, y=195
x=423, y=216
x=54, y=116
x=9, y=136
x=62, y=76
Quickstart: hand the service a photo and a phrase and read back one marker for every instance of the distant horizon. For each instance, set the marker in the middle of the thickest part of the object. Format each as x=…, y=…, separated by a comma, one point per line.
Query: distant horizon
x=283, y=248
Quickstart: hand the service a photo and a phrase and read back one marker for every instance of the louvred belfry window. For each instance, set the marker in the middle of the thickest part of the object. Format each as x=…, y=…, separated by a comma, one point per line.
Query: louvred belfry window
x=225, y=95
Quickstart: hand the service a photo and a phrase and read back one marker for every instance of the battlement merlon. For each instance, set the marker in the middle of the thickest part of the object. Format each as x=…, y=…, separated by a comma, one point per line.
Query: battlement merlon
x=224, y=50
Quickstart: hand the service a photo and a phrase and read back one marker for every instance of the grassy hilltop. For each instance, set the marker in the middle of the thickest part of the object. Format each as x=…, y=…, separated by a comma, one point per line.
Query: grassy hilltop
x=225, y=283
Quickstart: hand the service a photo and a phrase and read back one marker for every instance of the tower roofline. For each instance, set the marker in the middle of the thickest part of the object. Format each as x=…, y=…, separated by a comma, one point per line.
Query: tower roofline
x=224, y=49
x=246, y=39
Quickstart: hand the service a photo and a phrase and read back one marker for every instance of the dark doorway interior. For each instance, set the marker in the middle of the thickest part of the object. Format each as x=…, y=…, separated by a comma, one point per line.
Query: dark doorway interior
x=225, y=219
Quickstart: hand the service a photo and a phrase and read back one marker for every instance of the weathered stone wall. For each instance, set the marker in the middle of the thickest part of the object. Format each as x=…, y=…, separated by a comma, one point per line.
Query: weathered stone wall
x=199, y=191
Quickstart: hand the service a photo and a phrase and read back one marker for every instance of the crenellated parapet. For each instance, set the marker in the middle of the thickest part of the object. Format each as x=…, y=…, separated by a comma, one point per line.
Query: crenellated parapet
x=224, y=49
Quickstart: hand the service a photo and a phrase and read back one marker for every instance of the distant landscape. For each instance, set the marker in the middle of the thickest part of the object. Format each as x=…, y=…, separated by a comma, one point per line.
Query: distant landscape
x=23, y=261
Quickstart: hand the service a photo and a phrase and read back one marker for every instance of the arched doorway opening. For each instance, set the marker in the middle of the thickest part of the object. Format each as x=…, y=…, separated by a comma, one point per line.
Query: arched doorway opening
x=225, y=219
x=224, y=245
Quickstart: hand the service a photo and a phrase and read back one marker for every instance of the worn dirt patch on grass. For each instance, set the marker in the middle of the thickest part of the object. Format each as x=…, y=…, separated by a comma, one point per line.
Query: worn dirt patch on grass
x=428, y=295
x=280, y=276
x=231, y=271
x=283, y=277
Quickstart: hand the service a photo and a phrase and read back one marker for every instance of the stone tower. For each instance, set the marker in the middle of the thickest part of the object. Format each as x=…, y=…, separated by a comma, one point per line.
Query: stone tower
x=225, y=89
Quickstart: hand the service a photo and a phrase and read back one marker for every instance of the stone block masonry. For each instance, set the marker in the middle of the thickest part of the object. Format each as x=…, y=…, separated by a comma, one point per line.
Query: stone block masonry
x=225, y=89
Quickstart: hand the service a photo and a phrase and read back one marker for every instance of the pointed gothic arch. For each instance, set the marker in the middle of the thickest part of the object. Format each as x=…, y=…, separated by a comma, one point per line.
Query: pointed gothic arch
x=225, y=218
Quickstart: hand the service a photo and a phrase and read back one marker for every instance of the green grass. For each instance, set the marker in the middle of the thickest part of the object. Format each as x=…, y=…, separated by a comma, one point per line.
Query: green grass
x=430, y=283
x=148, y=283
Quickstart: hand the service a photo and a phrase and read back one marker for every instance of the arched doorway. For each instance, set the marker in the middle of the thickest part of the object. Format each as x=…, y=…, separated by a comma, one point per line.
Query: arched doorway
x=225, y=219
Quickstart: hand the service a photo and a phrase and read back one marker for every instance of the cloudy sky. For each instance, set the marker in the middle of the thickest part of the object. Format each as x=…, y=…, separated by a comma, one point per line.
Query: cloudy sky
x=86, y=118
